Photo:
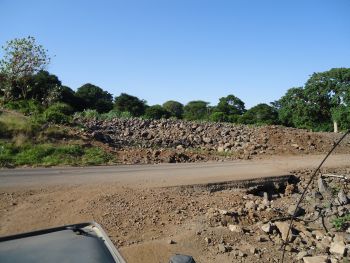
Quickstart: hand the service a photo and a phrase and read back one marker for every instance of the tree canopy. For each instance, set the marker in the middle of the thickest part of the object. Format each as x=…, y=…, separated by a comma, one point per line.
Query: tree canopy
x=128, y=103
x=95, y=98
x=228, y=109
x=196, y=110
x=23, y=58
x=260, y=114
x=231, y=105
x=323, y=100
x=41, y=85
x=330, y=91
x=175, y=108
x=156, y=112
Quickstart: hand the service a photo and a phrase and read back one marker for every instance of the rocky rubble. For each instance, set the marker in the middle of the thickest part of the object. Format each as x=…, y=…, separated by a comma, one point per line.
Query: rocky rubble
x=228, y=140
x=320, y=232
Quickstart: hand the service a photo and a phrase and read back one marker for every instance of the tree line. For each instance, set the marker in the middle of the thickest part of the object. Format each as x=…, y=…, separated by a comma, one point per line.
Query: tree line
x=322, y=104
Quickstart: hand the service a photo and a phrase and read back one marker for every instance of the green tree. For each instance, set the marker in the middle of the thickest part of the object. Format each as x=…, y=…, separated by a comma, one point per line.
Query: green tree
x=68, y=96
x=228, y=109
x=175, y=108
x=41, y=85
x=196, y=110
x=295, y=111
x=128, y=103
x=95, y=98
x=156, y=112
x=231, y=105
x=23, y=58
x=323, y=102
x=330, y=92
x=260, y=114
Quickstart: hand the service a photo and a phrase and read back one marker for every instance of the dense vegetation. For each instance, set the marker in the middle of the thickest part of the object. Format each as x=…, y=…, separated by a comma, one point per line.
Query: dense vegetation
x=25, y=86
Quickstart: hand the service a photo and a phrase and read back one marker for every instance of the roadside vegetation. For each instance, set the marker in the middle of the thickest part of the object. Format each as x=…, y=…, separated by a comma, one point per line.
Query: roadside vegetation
x=24, y=141
x=37, y=99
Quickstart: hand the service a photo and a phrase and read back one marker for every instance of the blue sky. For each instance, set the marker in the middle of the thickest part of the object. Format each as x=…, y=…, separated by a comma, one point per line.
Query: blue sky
x=185, y=49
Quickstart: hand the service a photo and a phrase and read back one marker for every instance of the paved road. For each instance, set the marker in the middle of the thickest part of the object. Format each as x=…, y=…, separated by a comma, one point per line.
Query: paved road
x=165, y=174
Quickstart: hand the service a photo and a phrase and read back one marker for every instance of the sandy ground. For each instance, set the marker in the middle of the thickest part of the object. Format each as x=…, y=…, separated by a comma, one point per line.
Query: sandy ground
x=136, y=206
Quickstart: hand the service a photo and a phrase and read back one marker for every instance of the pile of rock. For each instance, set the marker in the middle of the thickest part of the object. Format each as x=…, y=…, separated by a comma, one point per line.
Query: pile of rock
x=320, y=232
x=217, y=137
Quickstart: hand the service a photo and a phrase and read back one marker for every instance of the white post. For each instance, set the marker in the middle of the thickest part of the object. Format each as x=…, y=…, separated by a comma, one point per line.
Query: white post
x=335, y=125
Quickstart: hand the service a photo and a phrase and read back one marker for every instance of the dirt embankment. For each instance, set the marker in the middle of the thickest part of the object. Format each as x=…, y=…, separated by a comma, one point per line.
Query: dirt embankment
x=170, y=141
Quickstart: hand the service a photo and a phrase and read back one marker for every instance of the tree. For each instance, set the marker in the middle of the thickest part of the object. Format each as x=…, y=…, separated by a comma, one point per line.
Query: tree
x=128, y=103
x=330, y=90
x=231, y=105
x=260, y=114
x=322, y=102
x=41, y=85
x=228, y=109
x=68, y=96
x=196, y=110
x=175, y=108
x=294, y=110
x=2, y=86
x=22, y=59
x=95, y=98
x=156, y=112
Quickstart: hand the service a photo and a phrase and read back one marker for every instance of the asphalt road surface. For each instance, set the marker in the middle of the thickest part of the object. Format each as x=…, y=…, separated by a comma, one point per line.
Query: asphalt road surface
x=160, y=175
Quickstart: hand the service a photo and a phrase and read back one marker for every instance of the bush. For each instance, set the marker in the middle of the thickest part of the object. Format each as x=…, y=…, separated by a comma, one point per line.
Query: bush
x=96, y=156
x=58, y=113
x=13, y=124
x=51, y=154
x=68, y=155
x=6, y=155
x=341, y=223
x=33, y=154
x=87, y=114
x=218, y=116
x=27, y=107
x=115, y=114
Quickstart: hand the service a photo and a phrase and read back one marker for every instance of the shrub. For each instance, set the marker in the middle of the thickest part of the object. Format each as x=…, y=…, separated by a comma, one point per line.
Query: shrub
x=51, y=154
x=218, y=116
x=13, y=124
x=6, y=155
x=27, y=107
x=58, y=113
x=115, y=114
x=33, y=154
x=341, y=222
x=68, y=155
x=96, y=156
x=89, y=114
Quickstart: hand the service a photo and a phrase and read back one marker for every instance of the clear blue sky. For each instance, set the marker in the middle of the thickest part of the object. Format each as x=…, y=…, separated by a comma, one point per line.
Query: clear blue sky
x=183, y=49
